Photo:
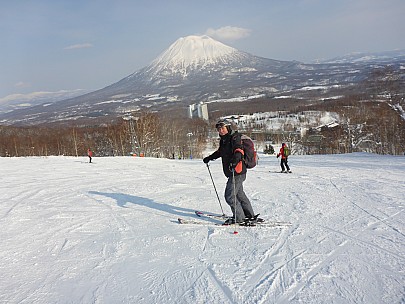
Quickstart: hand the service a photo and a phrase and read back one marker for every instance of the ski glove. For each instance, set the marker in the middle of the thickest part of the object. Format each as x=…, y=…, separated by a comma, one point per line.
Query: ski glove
x=237, y=157
x=206, y=159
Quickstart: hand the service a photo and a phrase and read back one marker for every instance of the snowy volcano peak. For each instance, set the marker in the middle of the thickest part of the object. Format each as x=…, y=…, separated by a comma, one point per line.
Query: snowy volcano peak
x=194, y=52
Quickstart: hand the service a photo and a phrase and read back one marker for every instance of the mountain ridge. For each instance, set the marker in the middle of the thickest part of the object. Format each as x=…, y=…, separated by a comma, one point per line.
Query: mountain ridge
x=191, y=70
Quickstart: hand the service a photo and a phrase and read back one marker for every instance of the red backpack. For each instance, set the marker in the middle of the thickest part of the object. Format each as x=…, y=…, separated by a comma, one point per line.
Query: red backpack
x=250, y=156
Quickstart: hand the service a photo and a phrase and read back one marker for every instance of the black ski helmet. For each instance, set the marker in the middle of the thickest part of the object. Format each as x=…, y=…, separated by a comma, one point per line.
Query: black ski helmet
x=224, y=122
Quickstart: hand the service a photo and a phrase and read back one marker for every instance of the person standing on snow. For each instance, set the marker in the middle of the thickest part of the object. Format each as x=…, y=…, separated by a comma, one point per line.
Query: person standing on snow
x=284, y=158
x=89, y=154
x=231, y=152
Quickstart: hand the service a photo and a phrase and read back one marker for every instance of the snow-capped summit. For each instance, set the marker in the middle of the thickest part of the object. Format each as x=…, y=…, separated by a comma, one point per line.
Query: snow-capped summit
x=194, y=52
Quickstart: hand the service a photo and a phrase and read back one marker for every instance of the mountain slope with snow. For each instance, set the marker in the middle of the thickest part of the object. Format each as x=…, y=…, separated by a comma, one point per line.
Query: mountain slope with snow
x=387, y=57
x=196, y=61
x=192, y=52
x=107, y=232
x=198, y=69
x=18, y=101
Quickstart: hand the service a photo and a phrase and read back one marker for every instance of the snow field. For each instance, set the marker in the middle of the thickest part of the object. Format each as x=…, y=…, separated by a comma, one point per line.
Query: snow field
x=107, y=232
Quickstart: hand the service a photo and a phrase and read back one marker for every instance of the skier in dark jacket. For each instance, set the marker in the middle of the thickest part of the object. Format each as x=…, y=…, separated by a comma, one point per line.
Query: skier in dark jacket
x=231, y=152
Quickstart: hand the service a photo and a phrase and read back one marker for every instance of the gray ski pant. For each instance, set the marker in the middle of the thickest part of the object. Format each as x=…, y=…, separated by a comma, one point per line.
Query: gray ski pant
x=242, y=207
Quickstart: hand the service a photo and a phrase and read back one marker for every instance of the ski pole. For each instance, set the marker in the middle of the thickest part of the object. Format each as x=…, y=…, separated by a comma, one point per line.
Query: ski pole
x=208, y=167
x=234, y=198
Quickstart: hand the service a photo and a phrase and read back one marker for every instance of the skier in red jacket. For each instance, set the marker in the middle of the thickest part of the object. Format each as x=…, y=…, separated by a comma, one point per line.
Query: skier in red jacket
x=284, y=158
x=89, y=154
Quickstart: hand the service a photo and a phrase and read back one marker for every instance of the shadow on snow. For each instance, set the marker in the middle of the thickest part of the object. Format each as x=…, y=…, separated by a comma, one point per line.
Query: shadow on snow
x=123, y=199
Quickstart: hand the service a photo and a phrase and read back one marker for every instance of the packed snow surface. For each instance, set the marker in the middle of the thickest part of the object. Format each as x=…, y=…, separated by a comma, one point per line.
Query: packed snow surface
x=107, y=232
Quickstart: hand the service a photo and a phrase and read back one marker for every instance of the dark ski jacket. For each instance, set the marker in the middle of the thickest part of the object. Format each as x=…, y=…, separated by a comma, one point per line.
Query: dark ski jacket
x=231, y=152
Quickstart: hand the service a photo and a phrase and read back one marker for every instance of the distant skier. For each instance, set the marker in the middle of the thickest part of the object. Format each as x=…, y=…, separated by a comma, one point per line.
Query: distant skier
x=89, y=154
x=231, y=152
x=284, y=153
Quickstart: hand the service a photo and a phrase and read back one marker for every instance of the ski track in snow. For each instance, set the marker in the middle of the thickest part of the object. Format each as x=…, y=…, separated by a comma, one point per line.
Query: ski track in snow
x=107, y=232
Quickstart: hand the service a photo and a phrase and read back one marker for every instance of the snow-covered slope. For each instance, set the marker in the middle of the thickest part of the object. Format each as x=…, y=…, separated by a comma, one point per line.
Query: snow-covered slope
x=107, y=232
x=199, y=57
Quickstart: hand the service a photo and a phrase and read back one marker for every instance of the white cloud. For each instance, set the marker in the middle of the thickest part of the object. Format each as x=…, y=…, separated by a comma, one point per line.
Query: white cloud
x=22, y=84
x=228, y=33
x=78, y=46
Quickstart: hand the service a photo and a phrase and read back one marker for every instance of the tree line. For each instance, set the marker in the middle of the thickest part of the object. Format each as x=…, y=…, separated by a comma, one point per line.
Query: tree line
x=143, y=134
x=373, y=121
x=365, y=126
x=368, y=126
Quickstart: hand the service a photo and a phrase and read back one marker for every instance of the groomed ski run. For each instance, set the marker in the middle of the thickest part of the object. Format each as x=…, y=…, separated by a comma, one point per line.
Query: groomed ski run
x=72, y=232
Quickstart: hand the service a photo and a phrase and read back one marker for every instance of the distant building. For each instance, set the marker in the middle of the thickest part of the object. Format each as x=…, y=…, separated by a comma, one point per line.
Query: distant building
x=198, y=110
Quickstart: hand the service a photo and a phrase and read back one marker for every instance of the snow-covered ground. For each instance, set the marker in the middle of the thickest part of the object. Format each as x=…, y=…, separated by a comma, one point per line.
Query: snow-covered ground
x=107, y=232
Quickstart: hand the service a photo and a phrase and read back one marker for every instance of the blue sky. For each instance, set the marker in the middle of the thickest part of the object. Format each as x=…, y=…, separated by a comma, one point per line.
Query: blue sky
x=52, y=45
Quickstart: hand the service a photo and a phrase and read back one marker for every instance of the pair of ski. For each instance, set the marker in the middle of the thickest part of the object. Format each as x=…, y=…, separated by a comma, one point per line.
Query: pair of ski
x=223, y=218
